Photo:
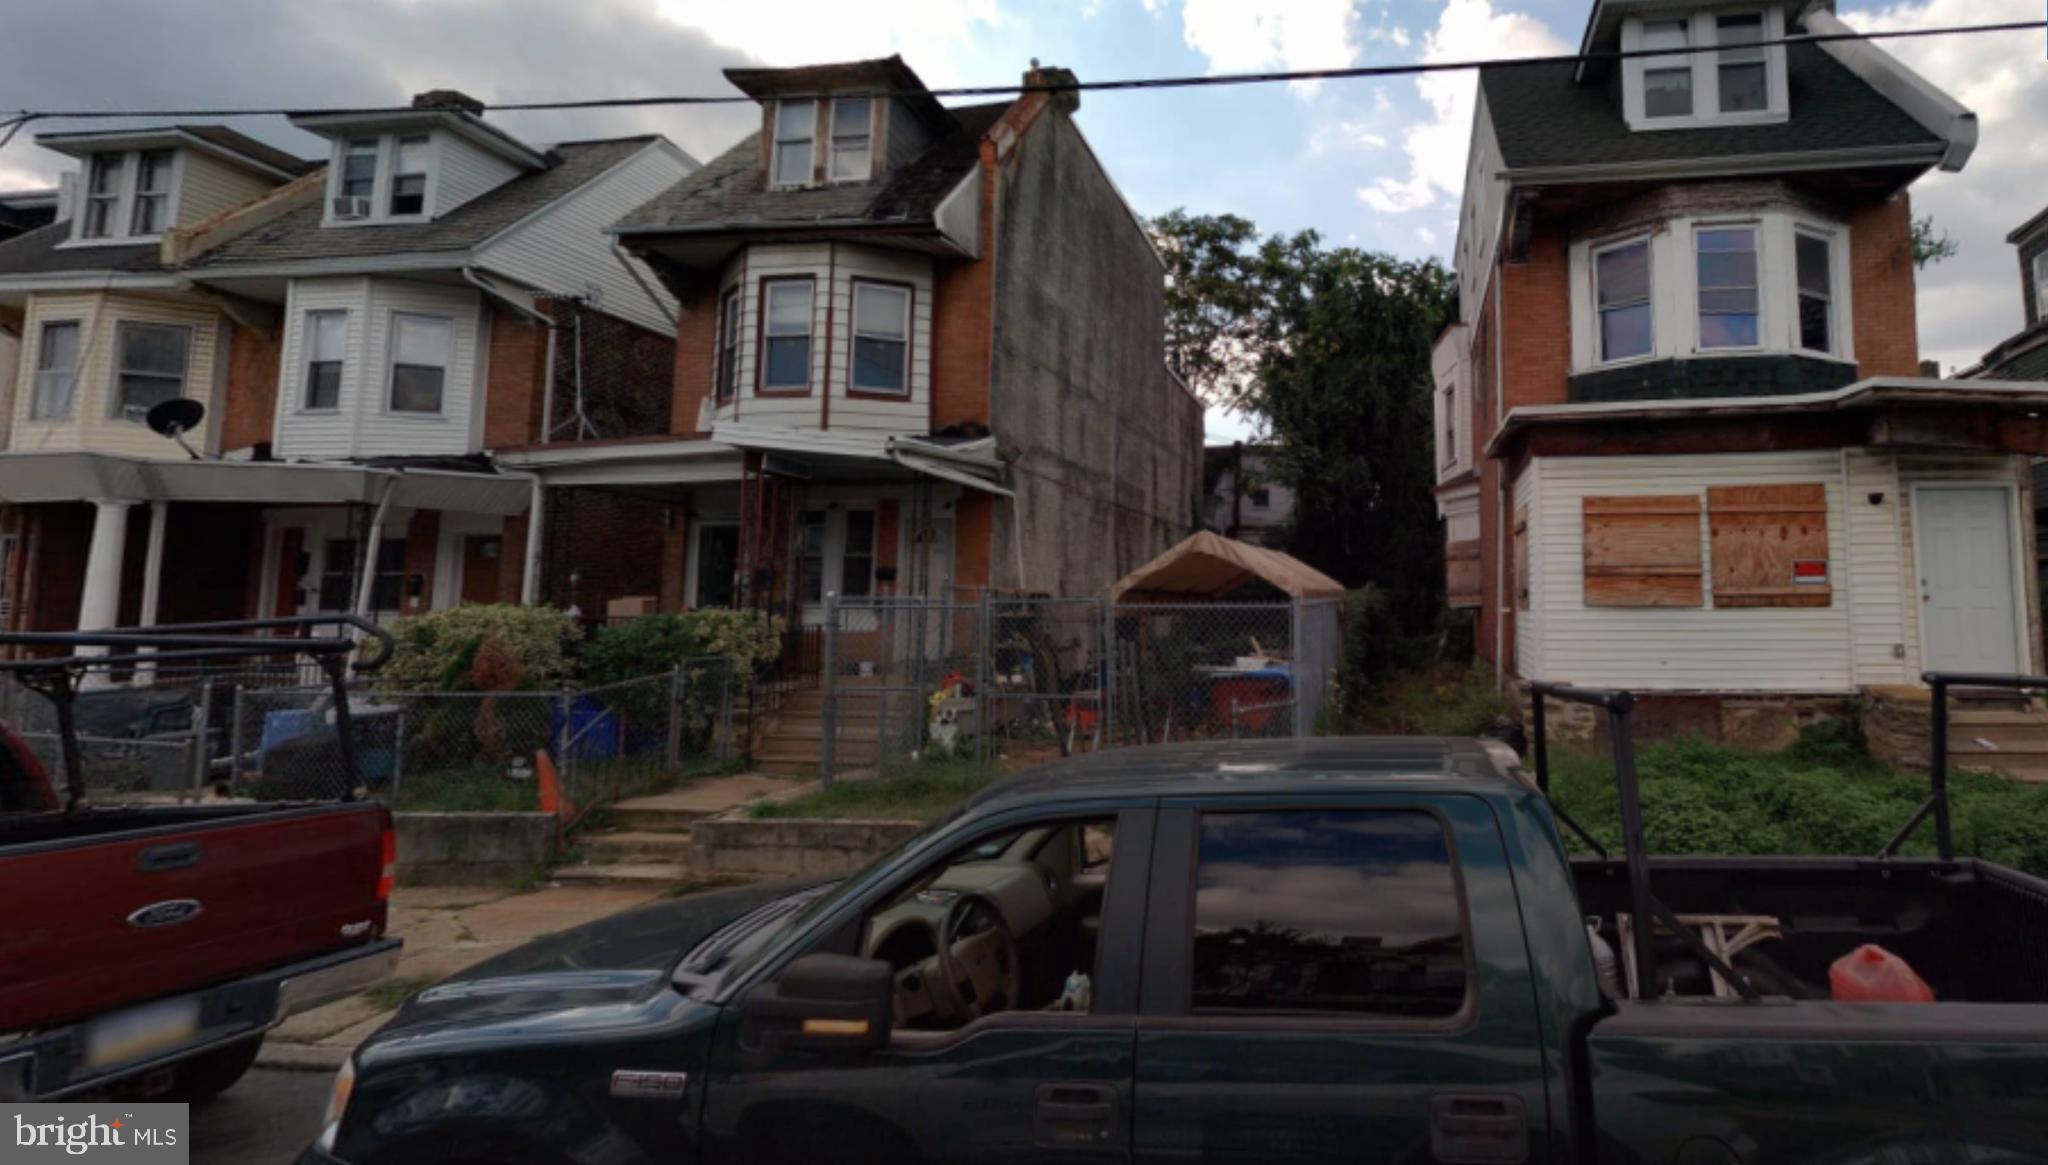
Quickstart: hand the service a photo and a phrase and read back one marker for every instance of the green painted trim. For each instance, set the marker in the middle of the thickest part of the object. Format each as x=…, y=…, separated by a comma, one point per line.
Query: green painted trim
x=1711, y=376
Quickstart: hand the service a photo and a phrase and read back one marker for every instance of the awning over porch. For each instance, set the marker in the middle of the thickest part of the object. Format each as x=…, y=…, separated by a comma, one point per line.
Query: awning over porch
x=808, y=454
x=27, y=478
x=1207, y=565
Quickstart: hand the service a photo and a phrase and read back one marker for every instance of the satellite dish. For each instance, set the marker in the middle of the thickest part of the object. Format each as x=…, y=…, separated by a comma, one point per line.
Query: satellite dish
x=174, y=418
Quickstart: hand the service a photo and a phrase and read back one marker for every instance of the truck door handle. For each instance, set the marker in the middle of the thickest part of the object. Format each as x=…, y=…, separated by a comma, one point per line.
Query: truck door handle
x=175, y=856
x=1067, y=1115
x=1477, y=1128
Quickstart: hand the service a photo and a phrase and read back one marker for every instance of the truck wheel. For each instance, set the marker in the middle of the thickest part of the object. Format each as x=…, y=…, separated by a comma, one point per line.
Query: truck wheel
x=202, y=1078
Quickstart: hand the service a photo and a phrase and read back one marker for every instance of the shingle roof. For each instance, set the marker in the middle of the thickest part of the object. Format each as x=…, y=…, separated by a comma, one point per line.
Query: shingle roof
x=2019, y=357
x=732, y=191
x=298, y=236
x=1543, y=119
x=37, y=253
x=220, y=136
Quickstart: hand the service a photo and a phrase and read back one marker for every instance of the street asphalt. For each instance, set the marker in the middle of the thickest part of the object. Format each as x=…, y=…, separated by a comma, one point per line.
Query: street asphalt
x=267, y=1118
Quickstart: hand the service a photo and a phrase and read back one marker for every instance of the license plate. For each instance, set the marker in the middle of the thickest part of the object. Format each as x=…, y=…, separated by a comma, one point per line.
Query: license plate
x=135, y=1034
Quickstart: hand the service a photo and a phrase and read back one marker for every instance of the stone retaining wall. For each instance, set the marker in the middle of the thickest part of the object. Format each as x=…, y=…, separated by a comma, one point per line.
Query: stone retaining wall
x=472, y=849
x=788, y=847
x=1761, y=723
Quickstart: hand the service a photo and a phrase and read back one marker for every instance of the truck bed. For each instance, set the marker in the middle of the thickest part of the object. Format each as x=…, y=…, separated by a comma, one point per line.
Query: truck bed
x=1976, y=932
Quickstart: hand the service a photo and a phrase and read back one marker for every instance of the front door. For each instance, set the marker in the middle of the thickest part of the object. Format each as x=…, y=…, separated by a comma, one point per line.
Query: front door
x=1969, y=618
x=482, y=556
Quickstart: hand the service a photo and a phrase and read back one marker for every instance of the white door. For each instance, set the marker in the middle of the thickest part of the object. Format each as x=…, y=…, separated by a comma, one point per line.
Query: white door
x=1968, y=612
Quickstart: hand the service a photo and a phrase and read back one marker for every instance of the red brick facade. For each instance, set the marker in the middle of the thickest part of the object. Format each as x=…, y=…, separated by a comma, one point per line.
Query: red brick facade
x=1881, y=287
x=517, y=363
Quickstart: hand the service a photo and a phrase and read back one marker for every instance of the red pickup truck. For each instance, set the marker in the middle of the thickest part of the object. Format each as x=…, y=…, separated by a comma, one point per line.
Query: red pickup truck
x=148, y=948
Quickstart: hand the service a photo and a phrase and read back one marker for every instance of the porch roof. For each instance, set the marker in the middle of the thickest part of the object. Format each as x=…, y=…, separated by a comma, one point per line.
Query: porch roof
x=27, y=478
x=803, y=453
x=1904, y=395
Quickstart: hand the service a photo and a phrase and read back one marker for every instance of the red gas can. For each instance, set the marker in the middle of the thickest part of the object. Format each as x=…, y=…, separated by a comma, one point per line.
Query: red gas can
x=1871, y=974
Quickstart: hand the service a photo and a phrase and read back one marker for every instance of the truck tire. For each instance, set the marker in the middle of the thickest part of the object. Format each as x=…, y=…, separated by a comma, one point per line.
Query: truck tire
x=202, y=1078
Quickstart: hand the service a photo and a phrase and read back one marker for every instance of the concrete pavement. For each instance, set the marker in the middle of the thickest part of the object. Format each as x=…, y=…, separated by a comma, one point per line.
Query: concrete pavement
x=265, y=1119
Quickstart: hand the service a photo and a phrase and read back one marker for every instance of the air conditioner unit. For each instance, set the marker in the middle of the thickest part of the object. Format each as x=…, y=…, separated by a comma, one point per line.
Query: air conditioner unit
x=351, y=207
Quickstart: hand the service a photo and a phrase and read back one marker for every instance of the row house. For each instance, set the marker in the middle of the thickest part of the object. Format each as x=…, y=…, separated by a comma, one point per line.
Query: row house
x=920, y=352
x=355, y=333
x=1685, y=443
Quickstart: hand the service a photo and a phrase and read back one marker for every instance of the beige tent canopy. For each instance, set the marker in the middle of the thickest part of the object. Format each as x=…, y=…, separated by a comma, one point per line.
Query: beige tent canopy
x=1210, y=566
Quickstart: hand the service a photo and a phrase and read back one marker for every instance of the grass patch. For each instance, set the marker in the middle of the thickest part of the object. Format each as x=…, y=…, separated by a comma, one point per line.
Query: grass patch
x=392, y=992
x=912, y=792
x=1444, y=699
x=1822, y=796
x=480, y=788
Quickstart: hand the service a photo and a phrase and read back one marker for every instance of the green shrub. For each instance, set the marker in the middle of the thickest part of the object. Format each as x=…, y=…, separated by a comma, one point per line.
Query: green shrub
x=657, y=643
x=435, y=651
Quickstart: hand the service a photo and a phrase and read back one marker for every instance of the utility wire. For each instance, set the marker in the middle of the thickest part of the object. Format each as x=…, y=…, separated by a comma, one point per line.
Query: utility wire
x=1414, y=68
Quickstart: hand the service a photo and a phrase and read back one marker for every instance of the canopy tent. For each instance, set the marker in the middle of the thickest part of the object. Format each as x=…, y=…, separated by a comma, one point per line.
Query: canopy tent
x=1209, y=566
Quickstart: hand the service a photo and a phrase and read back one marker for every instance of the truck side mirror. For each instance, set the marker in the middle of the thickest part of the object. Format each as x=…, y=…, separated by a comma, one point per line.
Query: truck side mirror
x=822, y=1003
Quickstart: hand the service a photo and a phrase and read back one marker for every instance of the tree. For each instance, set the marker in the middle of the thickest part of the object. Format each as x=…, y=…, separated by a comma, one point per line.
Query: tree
x=1211, y=301
x=1927, y=248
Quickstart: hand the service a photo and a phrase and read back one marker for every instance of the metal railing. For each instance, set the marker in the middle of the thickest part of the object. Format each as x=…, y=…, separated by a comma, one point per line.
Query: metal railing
x=1936, y=805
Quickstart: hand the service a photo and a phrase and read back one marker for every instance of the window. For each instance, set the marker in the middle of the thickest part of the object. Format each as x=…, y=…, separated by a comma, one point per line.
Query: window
x=152, y=192
x=56, y=372
x=2041, y=285
x=409, y=176
x=1448, y=454
x=1770, y=545
x=786, y=334
x=338, y=575
x=1621, y=288
x=1667, y=81
x=795, y=123
x=1639, y=551
x=150, y=366
x=359, y=169
x=718, y=558
x=813, y=557
x=1727, y=286
x=881, y=338
x=1815, y=260
x=102, y=196
x=1322, y=910
x=729, y=346
x=850, y=139
x=1743, y=74
x=857, y=564
x=420, y=350
x=1260, y=498
x=326, y=340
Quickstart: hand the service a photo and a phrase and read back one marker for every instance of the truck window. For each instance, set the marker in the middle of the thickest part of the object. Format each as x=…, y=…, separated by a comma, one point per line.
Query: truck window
x=1351, y=911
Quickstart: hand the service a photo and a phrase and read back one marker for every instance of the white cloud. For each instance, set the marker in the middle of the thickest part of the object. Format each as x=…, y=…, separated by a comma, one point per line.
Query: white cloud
x=1243, y=36
x=1427, y=236
x=928, y=33
x=1972, y=301
x=1344, y=135
x=1468, y=29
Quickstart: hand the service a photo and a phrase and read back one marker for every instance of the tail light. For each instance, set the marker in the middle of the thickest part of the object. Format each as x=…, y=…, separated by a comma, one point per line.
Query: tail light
x=388, y=858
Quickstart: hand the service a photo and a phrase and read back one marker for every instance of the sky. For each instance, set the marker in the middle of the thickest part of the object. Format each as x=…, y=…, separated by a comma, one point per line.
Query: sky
x=1369, y=163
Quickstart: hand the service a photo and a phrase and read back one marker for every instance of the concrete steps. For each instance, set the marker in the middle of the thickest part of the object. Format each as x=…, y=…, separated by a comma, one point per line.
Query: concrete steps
x=2004, y=735
x=645, y=841
x=645, y=874
x=632, y=846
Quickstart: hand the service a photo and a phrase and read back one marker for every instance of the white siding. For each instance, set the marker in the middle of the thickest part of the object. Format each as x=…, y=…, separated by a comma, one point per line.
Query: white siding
x=912, y=414
x=91, y=424
x=363, y=425
x=1881, y=613
x=1528, y=491
x=1789, y=649
x=213, y=187
x=462, y=171
x=566, y=248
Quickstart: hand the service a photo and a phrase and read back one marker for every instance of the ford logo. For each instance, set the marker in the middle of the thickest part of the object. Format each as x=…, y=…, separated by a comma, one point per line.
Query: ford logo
x=169, y=913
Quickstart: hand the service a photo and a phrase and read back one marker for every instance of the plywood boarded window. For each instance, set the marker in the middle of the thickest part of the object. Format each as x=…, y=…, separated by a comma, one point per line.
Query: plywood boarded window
x=1770, y=545
x=1643, y=551
x=1521, y=579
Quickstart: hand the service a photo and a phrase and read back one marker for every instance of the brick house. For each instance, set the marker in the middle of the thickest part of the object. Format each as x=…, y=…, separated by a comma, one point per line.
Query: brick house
x=361, y=334
x=920, y=352
x=1684, y=443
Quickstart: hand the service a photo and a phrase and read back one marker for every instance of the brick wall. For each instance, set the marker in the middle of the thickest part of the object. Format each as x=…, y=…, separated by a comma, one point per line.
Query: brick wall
x=1887, y=335
x=626, y=370
x=60, y=536
x=512, y=383
x=1536, y=333
x=207, y=551
x=610, y=544
x=963, y=313
x=249, y=413
x=696, y=353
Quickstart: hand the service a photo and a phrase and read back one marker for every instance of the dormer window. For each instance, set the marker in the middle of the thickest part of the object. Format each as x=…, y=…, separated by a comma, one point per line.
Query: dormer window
x=358, y=172
x=381, y=178
x=152, y=193
x=2041, y=285
x=851, y=136
x=795, y=126
x=102, y=196
x=1703, y=69
x=409, y=176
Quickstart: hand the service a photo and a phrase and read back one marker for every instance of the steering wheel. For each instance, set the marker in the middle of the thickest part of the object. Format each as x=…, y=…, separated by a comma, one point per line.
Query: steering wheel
x=977, y=971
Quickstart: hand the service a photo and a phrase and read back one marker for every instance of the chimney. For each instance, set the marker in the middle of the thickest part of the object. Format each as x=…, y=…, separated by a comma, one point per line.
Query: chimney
x=1067, y=101
x=1931, y=369
x=452, y=100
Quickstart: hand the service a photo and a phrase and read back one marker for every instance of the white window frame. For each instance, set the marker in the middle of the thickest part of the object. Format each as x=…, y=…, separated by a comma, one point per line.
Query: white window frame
x=1747, y=55
x=1673, y=63
x=769, y=289
x=425, y=174
x=117, y=405
x=160, y=195
x=121, y=200
x=311, y=341
x=383, y=178
x=109, y=201
x=854, y=336
x=2041, y=285
x=1649, y=244
x=1834, y=296
x=391, y=366
x=1763, y=319
x=69, y=374
x=864, y=134
x=1702, y=34
x=777, y=139
x=732, y=311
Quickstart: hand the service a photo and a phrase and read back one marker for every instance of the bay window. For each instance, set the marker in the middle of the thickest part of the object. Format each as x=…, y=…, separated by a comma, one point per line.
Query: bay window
x=1728, y=301
x=795, y=125
x=850, y=139
x=326, y=339
x=881, y=338
x=786, y=339
x=1814, y=259
x=729, y=345
x=149, y=366
x=1621, y=290
x=56, y=372
x=421, y=350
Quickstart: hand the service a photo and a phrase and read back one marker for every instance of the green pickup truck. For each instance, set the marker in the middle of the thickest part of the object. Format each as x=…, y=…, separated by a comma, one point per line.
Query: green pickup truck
x=1370, y=950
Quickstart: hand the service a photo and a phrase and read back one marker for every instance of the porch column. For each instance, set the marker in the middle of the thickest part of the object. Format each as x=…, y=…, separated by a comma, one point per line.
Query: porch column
x=529, y=582
x=99, y=606
x=152, y=580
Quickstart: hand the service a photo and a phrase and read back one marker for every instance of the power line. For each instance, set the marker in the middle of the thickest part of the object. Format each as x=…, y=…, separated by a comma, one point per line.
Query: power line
x=1357, y=72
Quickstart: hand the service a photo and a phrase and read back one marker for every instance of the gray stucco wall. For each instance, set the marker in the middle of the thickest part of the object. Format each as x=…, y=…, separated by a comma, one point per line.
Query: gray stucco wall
x=1108, y=445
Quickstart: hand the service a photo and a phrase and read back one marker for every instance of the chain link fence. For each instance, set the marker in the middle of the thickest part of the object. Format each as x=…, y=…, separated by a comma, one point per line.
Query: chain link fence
x=909, y=678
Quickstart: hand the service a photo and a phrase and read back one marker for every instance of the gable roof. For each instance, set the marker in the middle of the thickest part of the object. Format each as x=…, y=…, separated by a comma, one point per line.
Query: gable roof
x=1542, y=119
x=37, y=252
x=732, y=193
x=298, y=236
